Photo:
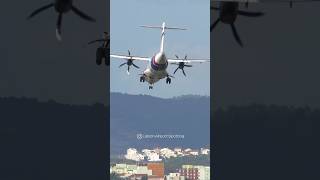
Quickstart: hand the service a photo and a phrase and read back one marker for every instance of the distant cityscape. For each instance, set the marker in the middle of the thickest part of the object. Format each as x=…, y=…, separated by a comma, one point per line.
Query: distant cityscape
x=164, y=153
x=155, y=171
x=151, y=164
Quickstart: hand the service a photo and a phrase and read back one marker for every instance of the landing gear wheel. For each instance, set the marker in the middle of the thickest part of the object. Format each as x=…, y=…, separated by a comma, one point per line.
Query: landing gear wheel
x=99, y=55
x=150, y=87
x=168, y=80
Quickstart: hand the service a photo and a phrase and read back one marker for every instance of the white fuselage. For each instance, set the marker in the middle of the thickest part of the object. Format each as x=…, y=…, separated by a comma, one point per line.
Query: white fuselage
x=157, y=69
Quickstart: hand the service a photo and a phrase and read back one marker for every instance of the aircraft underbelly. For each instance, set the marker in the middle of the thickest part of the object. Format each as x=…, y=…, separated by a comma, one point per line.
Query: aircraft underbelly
x=153, y=76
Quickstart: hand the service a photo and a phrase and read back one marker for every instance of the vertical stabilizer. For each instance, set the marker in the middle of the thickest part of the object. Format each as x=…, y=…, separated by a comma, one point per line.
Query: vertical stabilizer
x=162, y=36
x=163, y=28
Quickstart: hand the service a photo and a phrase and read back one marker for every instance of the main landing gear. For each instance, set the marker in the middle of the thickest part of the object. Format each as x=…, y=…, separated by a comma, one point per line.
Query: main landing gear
x=143, y=79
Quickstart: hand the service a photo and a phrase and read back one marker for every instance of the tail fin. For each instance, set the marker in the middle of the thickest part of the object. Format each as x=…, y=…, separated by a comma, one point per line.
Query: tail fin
x=163, y=27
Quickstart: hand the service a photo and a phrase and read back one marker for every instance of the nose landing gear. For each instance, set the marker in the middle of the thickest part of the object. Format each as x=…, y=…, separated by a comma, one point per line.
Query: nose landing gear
x=150, y=87
x=168, y=80
x=142, y=79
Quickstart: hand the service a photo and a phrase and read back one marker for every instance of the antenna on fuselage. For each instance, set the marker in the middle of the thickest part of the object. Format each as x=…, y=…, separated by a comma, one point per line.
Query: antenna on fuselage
x=163, y=28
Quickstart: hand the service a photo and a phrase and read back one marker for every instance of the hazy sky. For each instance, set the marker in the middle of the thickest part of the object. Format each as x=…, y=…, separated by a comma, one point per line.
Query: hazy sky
x=34, y=64
x=127, y=15
x=279, y=63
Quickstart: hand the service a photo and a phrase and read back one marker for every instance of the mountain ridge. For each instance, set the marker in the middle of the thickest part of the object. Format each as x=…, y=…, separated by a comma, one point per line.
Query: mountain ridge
x=143, y=114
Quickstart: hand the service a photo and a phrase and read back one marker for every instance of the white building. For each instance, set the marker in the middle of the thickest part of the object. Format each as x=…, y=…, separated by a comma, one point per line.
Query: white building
x=157, y=150
x=187, y=150
x=132, y=154
x=119, y=169
x=177, y=150
x=126, y=170
x=204, y=172
x=194, y=153
x=205, y=151
x=143, y=170
x=179, y=153
x=167, y=153
x=175, y=176
x=153, y=156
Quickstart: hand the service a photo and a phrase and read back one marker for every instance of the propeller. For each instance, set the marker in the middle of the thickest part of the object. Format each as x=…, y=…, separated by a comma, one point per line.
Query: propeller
x=181, y=65
x=233, y=27
x=129, y=63
x=61, y=7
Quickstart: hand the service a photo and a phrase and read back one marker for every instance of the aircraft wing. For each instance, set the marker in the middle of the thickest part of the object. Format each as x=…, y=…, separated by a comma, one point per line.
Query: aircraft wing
x=130, y=57
x=188, y=61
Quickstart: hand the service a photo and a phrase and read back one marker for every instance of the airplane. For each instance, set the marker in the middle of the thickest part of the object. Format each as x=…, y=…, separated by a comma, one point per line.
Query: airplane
x=157, y=68
x=61, y=7
x=229, y=10
x=102, y=51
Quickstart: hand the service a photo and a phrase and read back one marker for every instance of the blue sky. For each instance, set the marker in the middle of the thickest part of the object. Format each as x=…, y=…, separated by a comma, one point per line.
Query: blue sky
x=125, y=18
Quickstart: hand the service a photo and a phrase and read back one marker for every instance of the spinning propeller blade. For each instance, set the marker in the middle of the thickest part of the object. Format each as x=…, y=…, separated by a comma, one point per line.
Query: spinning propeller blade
x=61, y=7
x=236, y=35
x=40, y=10
x=238, y=12
x=129, y=63
x=181, y=65
x=82, y=14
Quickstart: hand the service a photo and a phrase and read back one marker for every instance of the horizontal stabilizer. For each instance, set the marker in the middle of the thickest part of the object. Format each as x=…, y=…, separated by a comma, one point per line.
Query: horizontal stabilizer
x=160, y=27
x=163, y=28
